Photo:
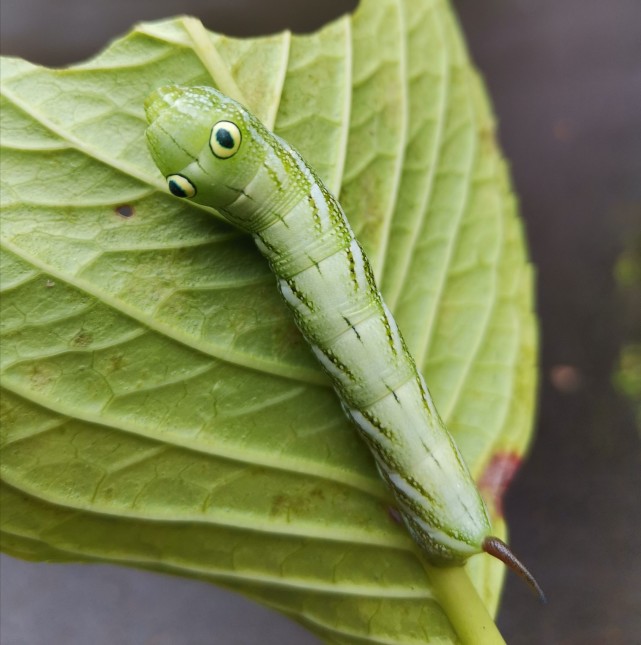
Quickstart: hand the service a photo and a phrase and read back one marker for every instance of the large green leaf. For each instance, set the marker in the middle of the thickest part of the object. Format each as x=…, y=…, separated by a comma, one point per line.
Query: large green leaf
x=159, y=408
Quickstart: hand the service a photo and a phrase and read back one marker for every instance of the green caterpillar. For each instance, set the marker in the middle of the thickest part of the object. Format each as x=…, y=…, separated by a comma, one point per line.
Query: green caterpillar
x=213, y=151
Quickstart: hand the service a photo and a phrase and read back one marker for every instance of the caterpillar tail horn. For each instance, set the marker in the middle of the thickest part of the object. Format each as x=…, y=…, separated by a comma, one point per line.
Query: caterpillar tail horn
x=498, y=549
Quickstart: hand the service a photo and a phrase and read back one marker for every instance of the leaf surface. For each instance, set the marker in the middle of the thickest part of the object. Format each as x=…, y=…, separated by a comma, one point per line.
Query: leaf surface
x=159, y=408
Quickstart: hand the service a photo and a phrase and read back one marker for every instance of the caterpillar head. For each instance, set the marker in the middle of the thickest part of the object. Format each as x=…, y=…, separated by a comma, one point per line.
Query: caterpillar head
x=206, y=145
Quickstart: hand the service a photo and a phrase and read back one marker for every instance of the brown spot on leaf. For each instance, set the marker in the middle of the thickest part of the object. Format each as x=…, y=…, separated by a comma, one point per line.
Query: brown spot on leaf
x=125, y=210
x=286, y=505
x=116, y=362
x=496, y=479
x=280, y=505
x=82, y=339
x=41, y=375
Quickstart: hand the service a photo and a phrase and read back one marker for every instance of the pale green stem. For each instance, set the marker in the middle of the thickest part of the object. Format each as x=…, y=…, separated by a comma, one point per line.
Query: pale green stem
x=463, y=606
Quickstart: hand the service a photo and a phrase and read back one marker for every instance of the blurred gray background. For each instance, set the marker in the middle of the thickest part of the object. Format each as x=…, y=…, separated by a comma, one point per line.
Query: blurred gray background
x=565, y=78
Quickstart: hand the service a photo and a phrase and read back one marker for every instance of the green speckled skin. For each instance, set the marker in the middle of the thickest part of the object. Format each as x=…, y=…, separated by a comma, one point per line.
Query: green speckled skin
x=267, y=189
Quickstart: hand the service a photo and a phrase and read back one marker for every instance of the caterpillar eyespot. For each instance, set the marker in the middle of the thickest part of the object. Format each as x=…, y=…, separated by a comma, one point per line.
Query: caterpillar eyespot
x=225, y=139
x=180, y=186
x=325, y=279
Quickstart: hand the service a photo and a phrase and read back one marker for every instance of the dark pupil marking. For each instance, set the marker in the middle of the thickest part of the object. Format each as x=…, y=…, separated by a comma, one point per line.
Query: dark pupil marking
x=224, y=138
x=175, y=189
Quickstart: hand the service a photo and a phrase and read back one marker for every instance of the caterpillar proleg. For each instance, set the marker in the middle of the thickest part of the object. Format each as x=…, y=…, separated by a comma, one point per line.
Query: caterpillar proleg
x=213, y=151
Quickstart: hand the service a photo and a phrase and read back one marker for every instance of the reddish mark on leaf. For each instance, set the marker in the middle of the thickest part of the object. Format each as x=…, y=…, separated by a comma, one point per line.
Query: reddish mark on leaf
x=496, y=479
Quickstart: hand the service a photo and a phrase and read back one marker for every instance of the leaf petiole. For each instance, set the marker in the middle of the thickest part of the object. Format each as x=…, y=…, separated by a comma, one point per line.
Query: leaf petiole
x=462, y=604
